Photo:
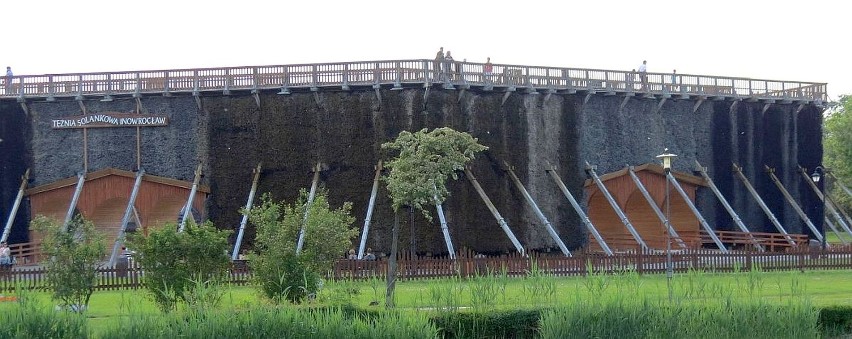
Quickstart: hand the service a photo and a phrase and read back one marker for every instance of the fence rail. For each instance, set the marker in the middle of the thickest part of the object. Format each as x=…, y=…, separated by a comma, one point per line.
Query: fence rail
x=465, y=265
x=398, y=73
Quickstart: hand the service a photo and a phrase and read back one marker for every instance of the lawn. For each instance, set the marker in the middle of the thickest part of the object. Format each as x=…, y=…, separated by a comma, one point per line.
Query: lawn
x=820, y=288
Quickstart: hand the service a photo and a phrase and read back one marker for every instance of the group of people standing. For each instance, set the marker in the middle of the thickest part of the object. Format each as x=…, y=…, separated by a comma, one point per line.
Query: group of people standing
x=447, y=69
x=367, y=255
x=643, y=78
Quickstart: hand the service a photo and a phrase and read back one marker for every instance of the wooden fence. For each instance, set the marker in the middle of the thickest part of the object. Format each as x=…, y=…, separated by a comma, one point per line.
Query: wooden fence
x=467, y=265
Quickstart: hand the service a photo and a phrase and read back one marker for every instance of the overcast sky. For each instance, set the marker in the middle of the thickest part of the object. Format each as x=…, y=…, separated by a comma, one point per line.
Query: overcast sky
x=776, y=40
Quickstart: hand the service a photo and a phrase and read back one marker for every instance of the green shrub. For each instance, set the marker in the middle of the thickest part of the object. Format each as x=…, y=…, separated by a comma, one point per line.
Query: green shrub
x=280, y=272
x=178, y=265
x=32, y=320
x=836, y=319
x=493, y=324
x=74, y=257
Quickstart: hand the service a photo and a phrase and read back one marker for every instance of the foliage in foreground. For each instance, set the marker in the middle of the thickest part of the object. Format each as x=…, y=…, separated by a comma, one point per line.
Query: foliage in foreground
x=74, y=257
x=281, y=273
x=837, y=136
x=183, y=267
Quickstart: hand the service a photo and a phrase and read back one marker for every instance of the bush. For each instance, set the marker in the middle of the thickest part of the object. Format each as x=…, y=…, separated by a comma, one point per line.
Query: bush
x=278, y=270
x=836, y=319
x=493, y=324
x=183, y=267
x=74, y=257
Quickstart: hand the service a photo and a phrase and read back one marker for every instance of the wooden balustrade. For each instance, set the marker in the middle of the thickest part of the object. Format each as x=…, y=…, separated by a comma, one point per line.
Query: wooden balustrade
x=398, y=72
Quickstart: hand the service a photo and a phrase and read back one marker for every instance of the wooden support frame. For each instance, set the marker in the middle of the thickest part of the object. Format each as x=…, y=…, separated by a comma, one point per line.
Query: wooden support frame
x=537, y=211
x=311, y=195
x=659, y=106
x=585, y=218
x=69, y=214
x=739, y=174
x=367, y=219
x=698, y=104
x=789, y=198
x=500, y=220
x=697, y=213
x=238, y=242
x=728, y=208
x=602, y=188
x=663, y=219
x=119, y=239
x=12, y=213
x=445, y=230
x=187, y=210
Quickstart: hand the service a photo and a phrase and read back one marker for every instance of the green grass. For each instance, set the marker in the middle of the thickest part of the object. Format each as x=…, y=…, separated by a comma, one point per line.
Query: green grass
x=108, y=309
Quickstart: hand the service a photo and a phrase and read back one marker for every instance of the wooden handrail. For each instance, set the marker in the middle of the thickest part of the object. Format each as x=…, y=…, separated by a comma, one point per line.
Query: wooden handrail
x=396, y=72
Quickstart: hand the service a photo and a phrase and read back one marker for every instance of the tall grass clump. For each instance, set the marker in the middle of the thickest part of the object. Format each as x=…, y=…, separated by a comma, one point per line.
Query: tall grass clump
x=539, y=286
x=29, y=319
x=275, y=322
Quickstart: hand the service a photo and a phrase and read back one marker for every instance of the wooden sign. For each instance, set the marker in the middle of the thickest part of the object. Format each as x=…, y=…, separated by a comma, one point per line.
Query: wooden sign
x=110, y=119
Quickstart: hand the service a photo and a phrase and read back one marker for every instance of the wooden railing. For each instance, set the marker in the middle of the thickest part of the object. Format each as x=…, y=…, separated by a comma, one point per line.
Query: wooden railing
x=582, y=263
x=398, y=73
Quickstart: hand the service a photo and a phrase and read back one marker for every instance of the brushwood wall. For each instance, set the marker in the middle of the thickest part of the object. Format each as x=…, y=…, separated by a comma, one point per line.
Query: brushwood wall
x=343, y=130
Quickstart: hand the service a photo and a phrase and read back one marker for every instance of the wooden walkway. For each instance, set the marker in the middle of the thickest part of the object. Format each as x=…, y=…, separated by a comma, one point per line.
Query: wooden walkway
x=399, y=74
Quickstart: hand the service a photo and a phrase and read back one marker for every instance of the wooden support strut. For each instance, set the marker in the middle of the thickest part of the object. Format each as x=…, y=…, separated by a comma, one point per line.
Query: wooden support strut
x=827, y=203
x=739, y=173
x=119, y=239
x=187, y=210
x=255, y=179
x=799, y=211
x=370, y=206
x=81, y=179
x=15, y=205
x=728, y=208
x=444, y=228
x=585, y=218
x=311, y=195
x=494, y=212
x=663, y=219
x=697, y=213
x=601, y=187
x=537, y=211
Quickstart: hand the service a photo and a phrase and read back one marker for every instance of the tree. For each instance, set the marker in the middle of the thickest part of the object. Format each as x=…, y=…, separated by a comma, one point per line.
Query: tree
x=75, y=256
x=283, y=274
x=183, y=267
x=837, y=141
x=418, y=176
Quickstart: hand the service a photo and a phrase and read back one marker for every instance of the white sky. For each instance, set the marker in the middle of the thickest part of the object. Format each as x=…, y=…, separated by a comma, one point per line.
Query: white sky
x=776, y=40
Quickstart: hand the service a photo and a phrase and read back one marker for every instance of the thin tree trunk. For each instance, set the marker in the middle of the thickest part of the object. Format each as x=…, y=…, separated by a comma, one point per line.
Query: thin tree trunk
x=392, y=268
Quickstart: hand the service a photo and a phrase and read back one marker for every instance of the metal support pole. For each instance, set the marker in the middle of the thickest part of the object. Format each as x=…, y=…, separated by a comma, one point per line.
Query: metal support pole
x=369, y=216
x=579, y=210
x=494, y=212
x=81, y=179
x=235, y=254
x=695, y=211
x=308, y=204
x=14, y=211
x=739, y=172
x=793, y=203
x=187, y=212
x=537, y=211
x=669, y=264
x=727, y=206
x=838, y=183
x=615, y=207
x=665, y=220
x=126, y=218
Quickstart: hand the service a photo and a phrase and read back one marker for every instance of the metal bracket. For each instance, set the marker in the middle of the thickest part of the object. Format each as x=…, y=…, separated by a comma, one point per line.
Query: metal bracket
x=624, y=103
x=256, y=97
x=765, y=107
x=698, y=104
x=659, y=105
x=733, y=106
x=505, y=96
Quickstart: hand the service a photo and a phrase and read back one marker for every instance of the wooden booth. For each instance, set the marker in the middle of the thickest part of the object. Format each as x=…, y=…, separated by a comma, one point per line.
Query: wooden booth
x=636, y=207
x=104, y=196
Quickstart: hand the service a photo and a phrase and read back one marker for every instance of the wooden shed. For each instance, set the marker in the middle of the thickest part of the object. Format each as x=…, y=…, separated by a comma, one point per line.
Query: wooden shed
x=104, y=198
x=638, y=210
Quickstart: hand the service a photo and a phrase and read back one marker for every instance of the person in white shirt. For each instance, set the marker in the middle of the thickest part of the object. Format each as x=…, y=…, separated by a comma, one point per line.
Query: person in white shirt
x=5, y=255
x=643, y=75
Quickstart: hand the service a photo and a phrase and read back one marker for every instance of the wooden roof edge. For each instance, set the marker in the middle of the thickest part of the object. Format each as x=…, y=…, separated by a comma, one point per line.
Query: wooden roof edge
x=71, y=181
x=653, y=167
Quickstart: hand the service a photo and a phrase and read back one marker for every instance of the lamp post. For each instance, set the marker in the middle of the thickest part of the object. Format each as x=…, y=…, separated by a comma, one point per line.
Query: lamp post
x=666, y=158
x=818, y=173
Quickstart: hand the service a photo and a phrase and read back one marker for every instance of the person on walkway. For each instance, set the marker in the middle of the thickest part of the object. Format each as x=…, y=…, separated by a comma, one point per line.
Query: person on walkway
x=5, y=255
x=631, y=80
x=438, y=64
x=448, y=65
x=9, y=77
x=369, y=255
x=674, y=80
x=487, y=70
x=643, y=75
